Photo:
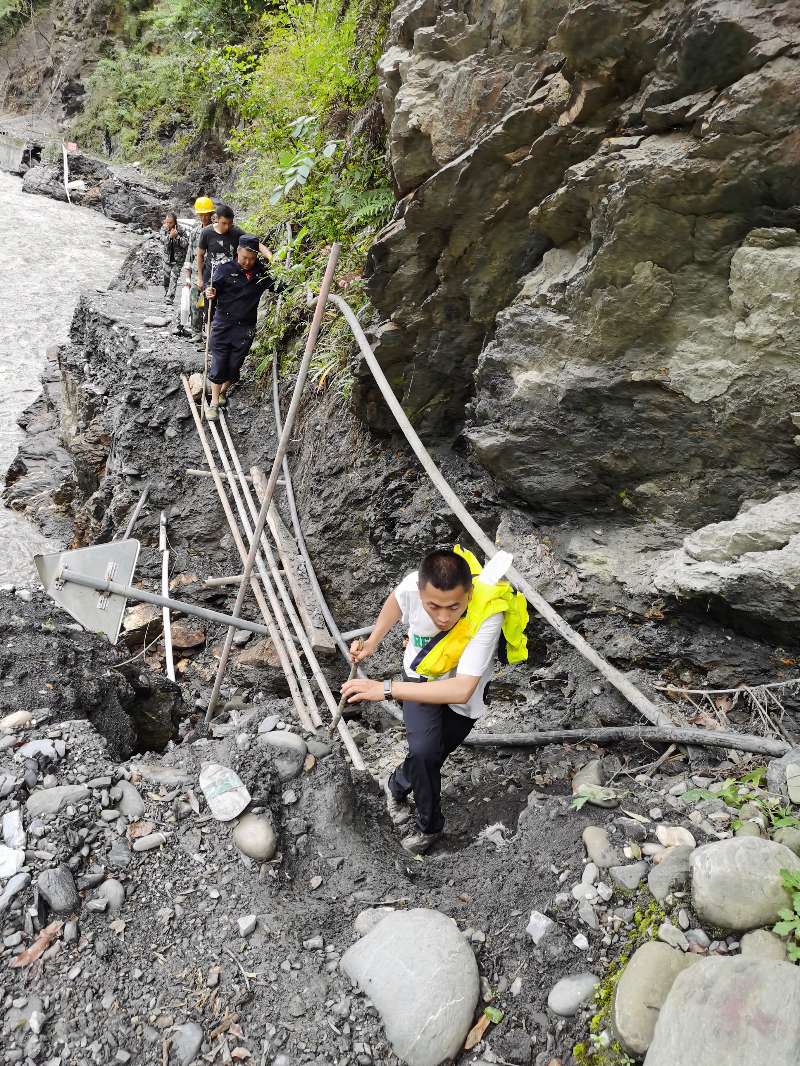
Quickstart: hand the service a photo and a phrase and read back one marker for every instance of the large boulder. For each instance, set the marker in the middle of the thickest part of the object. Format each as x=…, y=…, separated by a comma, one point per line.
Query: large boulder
x=730, y=1012
x=751, y=562
x=737, y=884
x=421, y=975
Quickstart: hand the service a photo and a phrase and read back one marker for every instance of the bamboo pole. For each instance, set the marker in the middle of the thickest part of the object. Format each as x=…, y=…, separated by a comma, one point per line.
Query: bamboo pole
x=305, y=643
x=162, y=543
x=275, y=636
x=283, y=445
x=275, y=607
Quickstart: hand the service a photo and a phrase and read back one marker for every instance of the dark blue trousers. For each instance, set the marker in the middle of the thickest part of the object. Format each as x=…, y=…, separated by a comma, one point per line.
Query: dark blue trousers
x=433, y=732
x=228, y=347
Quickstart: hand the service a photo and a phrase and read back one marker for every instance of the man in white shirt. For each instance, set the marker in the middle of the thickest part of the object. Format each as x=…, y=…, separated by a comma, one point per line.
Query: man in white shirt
x=438, y=714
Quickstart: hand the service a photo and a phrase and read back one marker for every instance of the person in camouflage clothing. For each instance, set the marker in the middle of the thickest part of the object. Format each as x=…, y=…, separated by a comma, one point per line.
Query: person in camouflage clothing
x=204, y=210
x=173, y=251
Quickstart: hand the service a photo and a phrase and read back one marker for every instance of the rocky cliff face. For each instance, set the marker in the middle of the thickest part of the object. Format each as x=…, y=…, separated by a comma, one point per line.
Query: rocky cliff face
x=597, y=249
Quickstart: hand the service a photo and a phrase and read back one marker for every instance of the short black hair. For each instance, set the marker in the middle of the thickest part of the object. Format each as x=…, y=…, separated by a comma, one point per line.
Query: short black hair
x=223, y=211
x=445, y=570
x=171, y=214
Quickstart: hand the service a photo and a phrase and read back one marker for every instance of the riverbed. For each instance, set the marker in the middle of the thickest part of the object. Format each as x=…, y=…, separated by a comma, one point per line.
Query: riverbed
x=53, y=251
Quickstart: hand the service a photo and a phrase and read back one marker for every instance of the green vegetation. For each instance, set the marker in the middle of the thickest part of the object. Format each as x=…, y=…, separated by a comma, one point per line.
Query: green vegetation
x=789, y=925
x=272, y=91
x=601, y=1049
x=736, y=792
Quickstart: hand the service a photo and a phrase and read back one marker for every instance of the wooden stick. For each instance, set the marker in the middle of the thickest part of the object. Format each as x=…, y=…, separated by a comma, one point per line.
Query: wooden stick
x=646, y=734
x=342, y=701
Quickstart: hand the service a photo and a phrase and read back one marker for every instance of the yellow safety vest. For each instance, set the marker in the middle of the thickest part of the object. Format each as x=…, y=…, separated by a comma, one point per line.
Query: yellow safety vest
x=486, y=600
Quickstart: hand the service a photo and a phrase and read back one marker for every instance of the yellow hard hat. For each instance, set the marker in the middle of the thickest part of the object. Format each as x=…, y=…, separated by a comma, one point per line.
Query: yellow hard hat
x=204, y=205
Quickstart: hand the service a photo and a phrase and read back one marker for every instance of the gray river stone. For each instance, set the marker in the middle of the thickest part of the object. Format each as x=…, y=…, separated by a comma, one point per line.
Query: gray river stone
x=736, y=884
x=112, y=891
x=762, y=944
x=598, y=847
x=129, y=801
x=254, y=836
x=629, y=877
x=51, y=800
x=570, y=993
x=186, y=1043
x=671, y=873
x=422, y=977
x=730, y=1012
x=57, y=889
x=290, y=752
x=641, y=991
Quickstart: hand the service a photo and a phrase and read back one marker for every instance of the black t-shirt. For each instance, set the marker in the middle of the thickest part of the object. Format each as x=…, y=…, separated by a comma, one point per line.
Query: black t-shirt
x=219, y=247
x=238, y=295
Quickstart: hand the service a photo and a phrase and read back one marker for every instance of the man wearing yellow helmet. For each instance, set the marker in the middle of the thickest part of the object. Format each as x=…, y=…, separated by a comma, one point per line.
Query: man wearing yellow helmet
x=204, y=210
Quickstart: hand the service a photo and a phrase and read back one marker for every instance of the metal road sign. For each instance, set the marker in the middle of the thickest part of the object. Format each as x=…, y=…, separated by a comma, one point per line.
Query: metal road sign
x=99, y=612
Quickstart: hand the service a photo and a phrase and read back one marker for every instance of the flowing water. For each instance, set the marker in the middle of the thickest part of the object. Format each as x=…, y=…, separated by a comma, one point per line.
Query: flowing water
x=53, y=251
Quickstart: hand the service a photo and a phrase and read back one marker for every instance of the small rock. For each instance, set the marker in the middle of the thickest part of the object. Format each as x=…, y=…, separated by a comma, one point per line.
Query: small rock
x=11, y=861
x=57, y=889
x=598, y=847
x=130, y=802
x=632, y=829
x=15, y=721
x=186, y=1043
x=698, y=937
x=155, y=321
x=672, y=936
x=290, y=752
x=539, y=927
x=119, y=854
x=789, y=837
x=150, y=841
x=590, y=774
x=673, y=836
x=114, y=894
x=581, y=942
x=629, y=877
x=762, y=944
x=315, y=882
x=266, y=725
x=570, y=993
x=671, y=873
x=314, y=943
x=51, y=800
x=254, y=836
x=247, y=925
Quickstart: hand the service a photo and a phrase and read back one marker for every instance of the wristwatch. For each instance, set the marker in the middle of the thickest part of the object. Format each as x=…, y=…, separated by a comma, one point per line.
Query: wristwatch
x=387, y=689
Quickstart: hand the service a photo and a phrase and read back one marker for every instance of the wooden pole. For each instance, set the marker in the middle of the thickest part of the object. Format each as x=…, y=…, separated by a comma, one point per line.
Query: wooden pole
x=707, y=738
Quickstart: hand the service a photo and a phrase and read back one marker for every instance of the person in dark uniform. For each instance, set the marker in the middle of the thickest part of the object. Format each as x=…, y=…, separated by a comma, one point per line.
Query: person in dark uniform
x=237, y=289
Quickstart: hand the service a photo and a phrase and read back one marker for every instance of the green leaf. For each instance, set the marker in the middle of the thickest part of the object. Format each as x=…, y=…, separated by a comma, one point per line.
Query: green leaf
x=579, y=801
x=494, y=1014
x=793, y=951
x=784, y=928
